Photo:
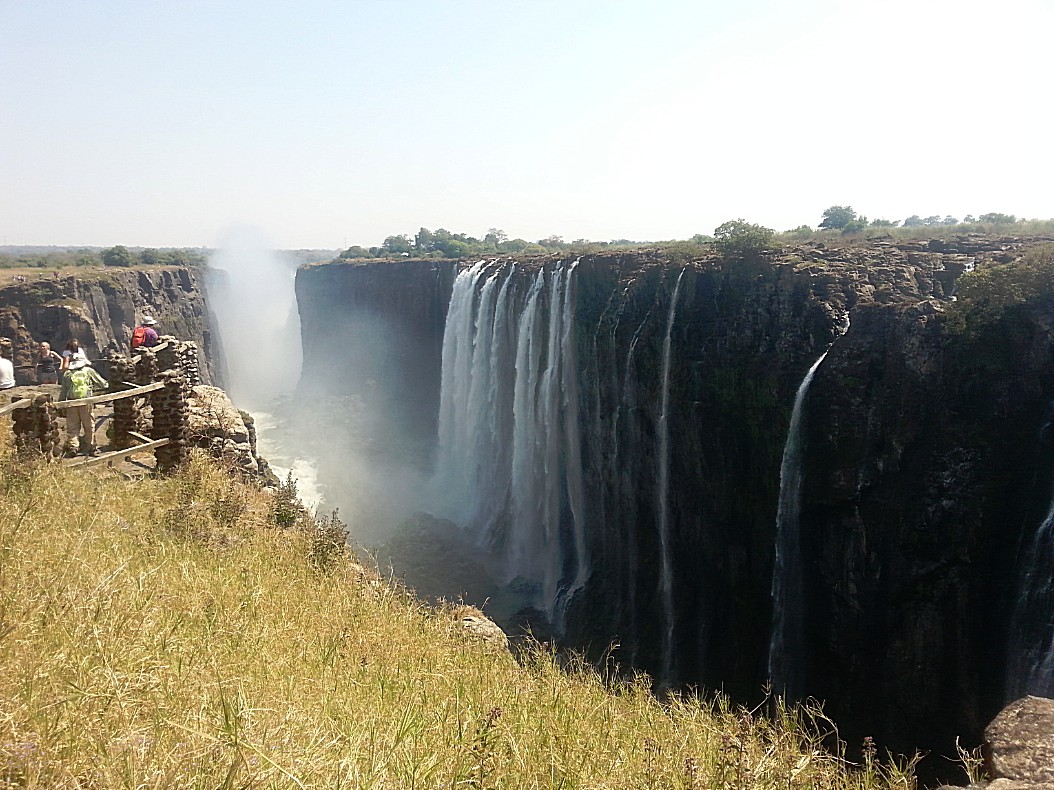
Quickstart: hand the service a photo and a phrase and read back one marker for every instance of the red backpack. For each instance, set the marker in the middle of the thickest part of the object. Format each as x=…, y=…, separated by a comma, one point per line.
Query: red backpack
x=138, y=336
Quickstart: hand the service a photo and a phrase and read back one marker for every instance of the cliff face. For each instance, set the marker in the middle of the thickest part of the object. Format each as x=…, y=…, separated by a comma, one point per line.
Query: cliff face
x=101, y=309
x=641, y=408
x=375, y=330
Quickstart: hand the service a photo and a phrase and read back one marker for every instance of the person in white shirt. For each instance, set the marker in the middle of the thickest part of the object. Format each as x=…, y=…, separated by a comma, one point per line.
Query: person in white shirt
x=7, y=369
x=72, y=351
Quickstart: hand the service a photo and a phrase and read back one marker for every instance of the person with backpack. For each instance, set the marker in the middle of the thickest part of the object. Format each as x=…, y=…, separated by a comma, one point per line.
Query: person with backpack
x=145, y=335
x=81, y=381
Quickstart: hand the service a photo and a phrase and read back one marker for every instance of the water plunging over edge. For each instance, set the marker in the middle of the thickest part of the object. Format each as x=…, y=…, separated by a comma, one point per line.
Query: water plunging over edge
x=785, y=647
x=785, y=642
x=509, y=440
x=663, y=482
x=1031, y=666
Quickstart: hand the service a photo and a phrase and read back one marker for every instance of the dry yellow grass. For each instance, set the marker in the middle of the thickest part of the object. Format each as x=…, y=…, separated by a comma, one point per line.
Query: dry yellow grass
x=165, y=634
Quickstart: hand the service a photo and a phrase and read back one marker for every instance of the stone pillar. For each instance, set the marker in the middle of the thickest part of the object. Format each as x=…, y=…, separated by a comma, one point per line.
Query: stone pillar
x=126, y=417
x=146, y=368
x=168, y=357
x=36, y=429
x=171, y=419
x=187, y=356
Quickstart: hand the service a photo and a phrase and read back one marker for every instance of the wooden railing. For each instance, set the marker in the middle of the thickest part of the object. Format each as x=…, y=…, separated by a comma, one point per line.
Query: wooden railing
x=146, y=444
x=18, y=404
x=64, y=404
x=120, y=455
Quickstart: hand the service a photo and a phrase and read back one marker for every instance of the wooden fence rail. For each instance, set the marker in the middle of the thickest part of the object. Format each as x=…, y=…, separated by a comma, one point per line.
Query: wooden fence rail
x=65, y=404
x=39, y=429
x=118, y=455
x=132, y=393
x=18, y=404
x=146, y=443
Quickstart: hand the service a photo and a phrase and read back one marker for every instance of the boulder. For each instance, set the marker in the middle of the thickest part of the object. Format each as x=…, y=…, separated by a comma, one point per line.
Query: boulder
x=216, y=425
x=475, y=624
x=1021, y=745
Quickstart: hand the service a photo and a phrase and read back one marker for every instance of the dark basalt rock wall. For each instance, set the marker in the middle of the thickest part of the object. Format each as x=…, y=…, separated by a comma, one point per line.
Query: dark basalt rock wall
x=924, y=464
x=375, y=330
x=927, y=471
x=101, y=309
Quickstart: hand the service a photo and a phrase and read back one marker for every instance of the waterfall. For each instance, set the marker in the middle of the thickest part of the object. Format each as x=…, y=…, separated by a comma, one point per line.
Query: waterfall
x=663, y=484
x=785, y=643
x=1031, y=661
x=627, y=458
x=509, y=467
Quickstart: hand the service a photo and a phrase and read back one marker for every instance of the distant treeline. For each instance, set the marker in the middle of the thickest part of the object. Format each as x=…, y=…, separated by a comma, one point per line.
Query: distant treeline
x=845, y=221
x=442, y=243
x=836, y=221
x=61, y=257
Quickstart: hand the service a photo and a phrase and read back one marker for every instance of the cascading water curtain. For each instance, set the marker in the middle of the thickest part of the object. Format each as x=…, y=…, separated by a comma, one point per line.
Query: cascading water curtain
x=509, y=463
x=785, y=648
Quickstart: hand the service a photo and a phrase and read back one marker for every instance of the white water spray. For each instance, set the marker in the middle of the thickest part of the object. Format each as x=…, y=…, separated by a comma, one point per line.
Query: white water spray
x=1031, y=664
x=785, y=642
x=252, y=296
x=509, y=460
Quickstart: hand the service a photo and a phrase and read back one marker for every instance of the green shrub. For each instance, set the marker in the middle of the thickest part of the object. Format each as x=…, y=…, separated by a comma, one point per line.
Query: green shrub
x=985, y=295
x=739, y=239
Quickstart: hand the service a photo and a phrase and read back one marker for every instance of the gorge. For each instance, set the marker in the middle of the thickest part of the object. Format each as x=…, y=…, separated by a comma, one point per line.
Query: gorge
x=813, y=467
x=599, y=440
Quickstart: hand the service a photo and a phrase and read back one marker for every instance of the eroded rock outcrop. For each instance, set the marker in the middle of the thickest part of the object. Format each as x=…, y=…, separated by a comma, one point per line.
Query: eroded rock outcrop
x=216, y=425
x=1019, y=747
x=1020, y=742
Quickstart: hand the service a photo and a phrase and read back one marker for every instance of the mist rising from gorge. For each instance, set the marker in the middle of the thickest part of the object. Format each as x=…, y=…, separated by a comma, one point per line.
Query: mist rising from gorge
x=336, y=430
x=252, y=297
x=259, y=324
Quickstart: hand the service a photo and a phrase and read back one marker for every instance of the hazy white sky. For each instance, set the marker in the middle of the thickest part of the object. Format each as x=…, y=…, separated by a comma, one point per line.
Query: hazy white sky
x=325, y=124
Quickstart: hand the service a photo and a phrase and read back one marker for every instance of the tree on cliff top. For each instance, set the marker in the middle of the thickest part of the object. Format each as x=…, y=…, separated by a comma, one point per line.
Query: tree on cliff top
x=837, y=217
x=739, y=239
x=118, y=256
x=987, y=294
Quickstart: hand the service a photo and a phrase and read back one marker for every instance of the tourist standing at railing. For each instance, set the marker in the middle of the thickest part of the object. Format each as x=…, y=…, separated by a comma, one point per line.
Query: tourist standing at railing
x=48, y=364
x=81, y=381
x=72, y=351
x=7, y=367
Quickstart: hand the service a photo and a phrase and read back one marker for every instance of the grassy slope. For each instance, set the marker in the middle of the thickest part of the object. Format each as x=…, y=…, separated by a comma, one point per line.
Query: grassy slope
x=164, y=634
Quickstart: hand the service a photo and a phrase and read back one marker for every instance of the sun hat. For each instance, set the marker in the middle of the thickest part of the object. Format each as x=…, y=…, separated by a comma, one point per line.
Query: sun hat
x=148, y=320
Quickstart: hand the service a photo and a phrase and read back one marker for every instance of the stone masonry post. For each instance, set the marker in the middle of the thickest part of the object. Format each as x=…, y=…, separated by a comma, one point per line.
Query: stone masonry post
x=171, y=420
x=126, y=417
x=36, y=428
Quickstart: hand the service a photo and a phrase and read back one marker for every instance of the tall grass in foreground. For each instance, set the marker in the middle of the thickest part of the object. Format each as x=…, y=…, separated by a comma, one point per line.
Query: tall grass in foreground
x=165, y=634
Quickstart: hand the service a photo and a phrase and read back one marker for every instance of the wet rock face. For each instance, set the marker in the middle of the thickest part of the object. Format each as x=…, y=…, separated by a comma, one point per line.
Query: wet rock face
x=101, y=308
x=927, y=468
x=923, y=462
